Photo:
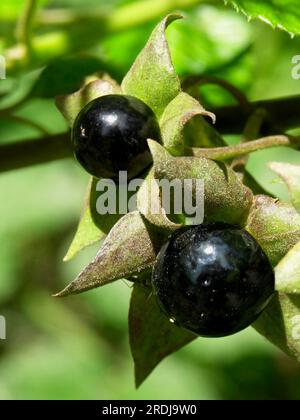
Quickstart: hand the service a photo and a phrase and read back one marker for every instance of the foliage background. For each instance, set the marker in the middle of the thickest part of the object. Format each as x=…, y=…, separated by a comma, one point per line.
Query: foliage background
x=78, y=348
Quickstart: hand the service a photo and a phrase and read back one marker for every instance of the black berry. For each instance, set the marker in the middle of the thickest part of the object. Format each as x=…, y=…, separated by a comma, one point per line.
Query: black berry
x=110, y=135
x=212, y=279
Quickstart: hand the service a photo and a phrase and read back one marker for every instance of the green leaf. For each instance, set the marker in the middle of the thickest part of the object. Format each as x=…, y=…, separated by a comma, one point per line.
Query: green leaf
x=130, y=248
x=152, y=335
x=280, y=323
x=283, y=14
x=254, y=186
x=66, y=75
x=152, y=77
x=94, y=226
x=121, y=48
x=87, y=231
x=176, y=115
x=287, y=272
x=71, y=105
x=209, y=48
x=225, y=197
x=275, y=225
x=291, y=175
x=10, y=10
x=200, y=133
x=149, y=199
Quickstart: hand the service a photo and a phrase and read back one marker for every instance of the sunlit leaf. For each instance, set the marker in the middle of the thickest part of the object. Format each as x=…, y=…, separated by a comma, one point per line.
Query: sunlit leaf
x=152, y=77
x=287, y=272
x=291, y=175
x=283, y=14
x=12, y=8
x=210, y=44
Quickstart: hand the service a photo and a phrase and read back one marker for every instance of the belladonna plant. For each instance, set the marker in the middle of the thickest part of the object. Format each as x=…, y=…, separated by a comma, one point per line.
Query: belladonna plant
x=255, y=234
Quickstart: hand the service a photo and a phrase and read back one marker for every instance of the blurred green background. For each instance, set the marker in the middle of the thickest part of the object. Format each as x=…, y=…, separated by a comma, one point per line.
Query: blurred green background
x=77, y=348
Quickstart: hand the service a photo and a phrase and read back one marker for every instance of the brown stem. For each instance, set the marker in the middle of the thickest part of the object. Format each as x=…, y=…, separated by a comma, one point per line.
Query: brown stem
x=282, y=114
x=230, y=119
x=32, y=152
x=192, y=81
x=29, y=123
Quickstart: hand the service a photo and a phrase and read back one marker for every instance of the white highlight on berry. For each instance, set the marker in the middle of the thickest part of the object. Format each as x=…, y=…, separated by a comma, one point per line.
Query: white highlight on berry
x=111, y=118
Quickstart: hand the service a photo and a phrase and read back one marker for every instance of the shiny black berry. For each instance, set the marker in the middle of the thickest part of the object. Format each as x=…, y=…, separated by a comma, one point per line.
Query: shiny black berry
x=212, y=279
x=110, y=135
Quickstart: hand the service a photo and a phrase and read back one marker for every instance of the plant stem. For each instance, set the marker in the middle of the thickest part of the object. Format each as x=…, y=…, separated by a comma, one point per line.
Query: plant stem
x=24, y=121
x=230, y=119
x=251, y=132
x=198, y=81
x=32, y=152
x=230, y=152
x=282, y=115
x=24, y=25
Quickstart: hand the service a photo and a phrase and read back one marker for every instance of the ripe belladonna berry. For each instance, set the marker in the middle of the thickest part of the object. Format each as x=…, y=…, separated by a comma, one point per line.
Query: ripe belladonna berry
x=110, y=135
x=212, y=279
